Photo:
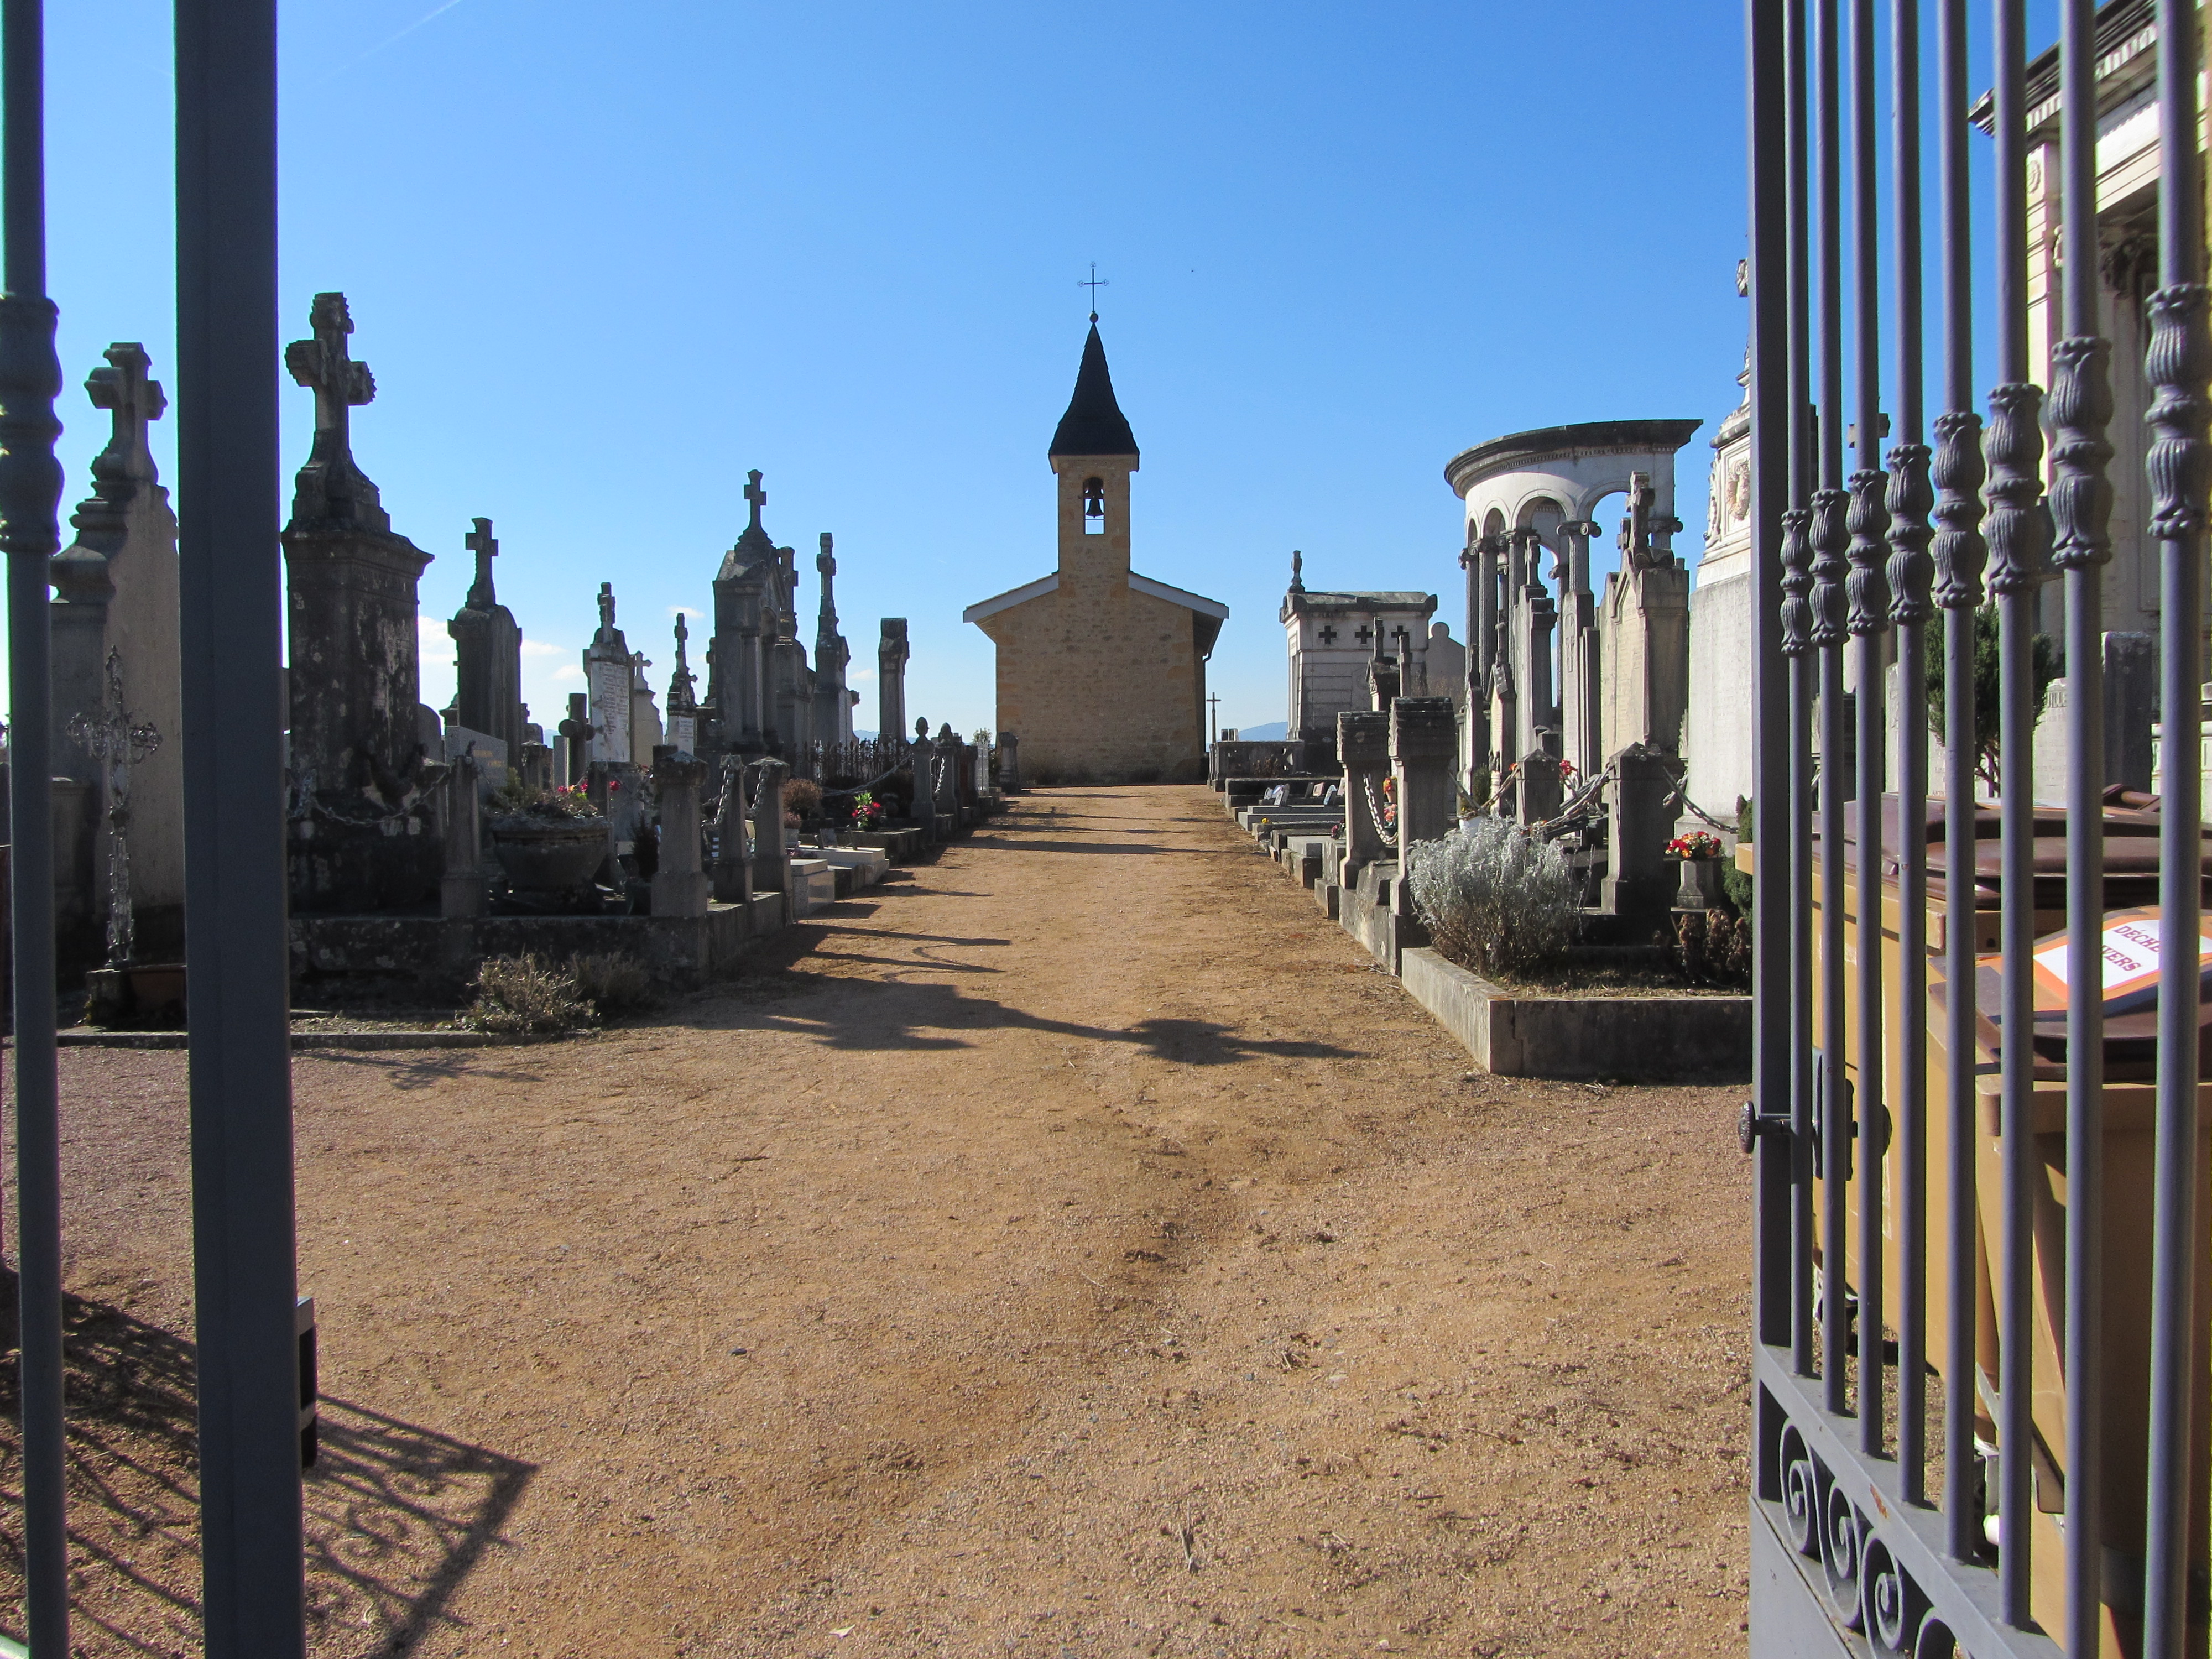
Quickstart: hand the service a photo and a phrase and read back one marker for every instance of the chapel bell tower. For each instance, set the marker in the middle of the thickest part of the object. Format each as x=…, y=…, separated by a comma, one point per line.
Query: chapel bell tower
x=1093, y=451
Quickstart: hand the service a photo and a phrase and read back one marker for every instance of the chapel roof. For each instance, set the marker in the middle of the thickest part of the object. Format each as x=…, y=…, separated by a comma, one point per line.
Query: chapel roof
x=1094, y=423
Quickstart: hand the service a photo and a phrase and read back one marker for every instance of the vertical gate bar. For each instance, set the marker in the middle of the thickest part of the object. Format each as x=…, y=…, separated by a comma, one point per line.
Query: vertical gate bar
x=1797, y=869
x=1959, y=551
x=2178, y=363
x=1830, y=568
x=30, y=534
x=1770, y=382
x=2082, y=506
x=231, y=612
x=1868, y=591
x=1910, y=572
x=2015, y=532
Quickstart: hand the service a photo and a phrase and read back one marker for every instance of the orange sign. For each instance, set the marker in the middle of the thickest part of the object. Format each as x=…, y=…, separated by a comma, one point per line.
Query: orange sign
x=2134, y=951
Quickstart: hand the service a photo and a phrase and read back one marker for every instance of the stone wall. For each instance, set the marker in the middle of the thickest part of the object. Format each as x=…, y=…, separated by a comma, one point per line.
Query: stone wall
x=1103, y=683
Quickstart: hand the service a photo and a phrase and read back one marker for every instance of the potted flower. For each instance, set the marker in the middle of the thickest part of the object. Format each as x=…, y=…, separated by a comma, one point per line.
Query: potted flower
x=547, y=841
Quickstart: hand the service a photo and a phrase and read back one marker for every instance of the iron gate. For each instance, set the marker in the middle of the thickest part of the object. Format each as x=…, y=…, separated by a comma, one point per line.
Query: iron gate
x=1979, y=1380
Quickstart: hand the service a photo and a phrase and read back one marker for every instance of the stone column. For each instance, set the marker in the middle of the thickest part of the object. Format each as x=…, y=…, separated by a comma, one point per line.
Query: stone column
x=771, y=868
x=461, y=890
x=1363, y=745
x=733, y=869
x=1480, y=561
x=1636, y=877
x=679, y=884
x=1424, y=748
x=892, y=652
x=1010, y=763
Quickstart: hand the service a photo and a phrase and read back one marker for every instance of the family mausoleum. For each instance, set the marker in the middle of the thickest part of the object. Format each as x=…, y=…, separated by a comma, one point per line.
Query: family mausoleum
x=1101, y=672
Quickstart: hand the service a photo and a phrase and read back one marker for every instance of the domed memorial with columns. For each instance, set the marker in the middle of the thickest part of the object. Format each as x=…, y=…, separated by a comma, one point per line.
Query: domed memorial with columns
x=1102, y=671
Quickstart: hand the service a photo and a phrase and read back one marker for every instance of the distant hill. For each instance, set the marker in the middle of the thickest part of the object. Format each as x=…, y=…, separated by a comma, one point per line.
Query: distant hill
x=1273, y=732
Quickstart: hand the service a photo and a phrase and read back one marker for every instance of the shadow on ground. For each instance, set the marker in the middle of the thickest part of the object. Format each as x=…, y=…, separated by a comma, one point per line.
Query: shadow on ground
x=398, y=1515
x=876, y=1014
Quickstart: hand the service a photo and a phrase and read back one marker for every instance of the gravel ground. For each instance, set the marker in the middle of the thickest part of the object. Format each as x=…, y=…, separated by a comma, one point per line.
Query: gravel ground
x=1071, y=1247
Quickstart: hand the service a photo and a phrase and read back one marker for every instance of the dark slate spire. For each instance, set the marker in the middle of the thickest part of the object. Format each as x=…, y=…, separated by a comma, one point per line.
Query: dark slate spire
x=1094, y=423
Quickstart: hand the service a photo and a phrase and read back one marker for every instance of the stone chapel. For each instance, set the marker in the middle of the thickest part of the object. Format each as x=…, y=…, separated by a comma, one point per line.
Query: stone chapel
x=1102, y=671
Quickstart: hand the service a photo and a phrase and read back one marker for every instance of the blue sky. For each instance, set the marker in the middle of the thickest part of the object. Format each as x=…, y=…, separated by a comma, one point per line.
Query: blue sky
x=603, y=259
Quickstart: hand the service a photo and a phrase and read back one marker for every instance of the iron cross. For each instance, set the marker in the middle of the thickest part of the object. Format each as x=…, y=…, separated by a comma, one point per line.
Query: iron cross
x=1096, y=282
x=479, y=541
x=322, y=363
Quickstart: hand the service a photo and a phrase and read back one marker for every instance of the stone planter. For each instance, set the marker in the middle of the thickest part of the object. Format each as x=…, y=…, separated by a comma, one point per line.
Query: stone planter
x=1700, y=888
x=542, y=855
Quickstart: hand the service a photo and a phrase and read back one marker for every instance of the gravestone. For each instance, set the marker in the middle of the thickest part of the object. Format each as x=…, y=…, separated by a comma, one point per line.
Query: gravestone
x=1423, y=756
x=487, y=655
x=771, y=867
x=1645, y=673
x=892, y=652
x=683, y=702
x=1363, y=748
x=1010, y=763
x=364, y=832
x=833, y=703
x=461, y=890
x=645, y=730
x=679, y=882
x=116, y=599
x=1636, y=883
x=2130, y=668
x=1540, y=793
x=611, y=675
x=572, y=753
x=733, y=864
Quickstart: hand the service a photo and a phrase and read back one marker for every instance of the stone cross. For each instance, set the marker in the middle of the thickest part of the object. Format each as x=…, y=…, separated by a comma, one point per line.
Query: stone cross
x=1297, y=571
x=757, y=495
x=1328, y=634
x=682, y=699
x=124, y=390
x=1362, y=633
x=825, y=563
x=322, y=363
x=480, y=542
x=606, y=607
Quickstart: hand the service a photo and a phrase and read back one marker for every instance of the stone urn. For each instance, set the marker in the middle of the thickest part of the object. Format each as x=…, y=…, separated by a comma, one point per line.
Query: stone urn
x=548, y=855
x=1700, y=889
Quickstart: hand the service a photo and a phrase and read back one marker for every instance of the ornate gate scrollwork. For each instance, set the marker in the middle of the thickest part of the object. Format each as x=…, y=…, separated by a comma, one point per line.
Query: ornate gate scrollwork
x=1868, y=1589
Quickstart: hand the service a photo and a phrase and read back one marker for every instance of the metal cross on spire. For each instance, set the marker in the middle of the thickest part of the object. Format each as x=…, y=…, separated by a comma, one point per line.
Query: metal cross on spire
x=480, y=542
x=1094, y=284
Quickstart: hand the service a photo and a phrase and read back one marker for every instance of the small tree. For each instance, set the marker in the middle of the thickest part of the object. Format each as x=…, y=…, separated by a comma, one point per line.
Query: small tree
x=2043, y=668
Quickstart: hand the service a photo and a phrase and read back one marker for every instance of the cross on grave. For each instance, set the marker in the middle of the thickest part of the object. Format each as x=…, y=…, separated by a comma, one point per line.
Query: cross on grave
x=323, y=364
x=1400, y=635
x=124, y=390
x=756, y=496
x=606, y=607
x=479, y=541
x=1328, y=634
x=1362, y=633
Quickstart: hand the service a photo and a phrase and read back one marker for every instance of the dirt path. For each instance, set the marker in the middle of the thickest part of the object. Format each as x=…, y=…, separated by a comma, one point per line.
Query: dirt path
x=1071, y=1248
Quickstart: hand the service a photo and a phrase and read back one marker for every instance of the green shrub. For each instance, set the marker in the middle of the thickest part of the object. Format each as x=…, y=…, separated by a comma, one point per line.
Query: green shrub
x=1496, y=899
x=522, y=996
x=2043, y=668
x=802, y=796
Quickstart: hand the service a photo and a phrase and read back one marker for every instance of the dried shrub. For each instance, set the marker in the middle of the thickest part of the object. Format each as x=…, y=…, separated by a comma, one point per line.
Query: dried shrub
x=1496, y=899
x=802, y=796
x=522, y=996
x=612, y=982
x=1714, y=947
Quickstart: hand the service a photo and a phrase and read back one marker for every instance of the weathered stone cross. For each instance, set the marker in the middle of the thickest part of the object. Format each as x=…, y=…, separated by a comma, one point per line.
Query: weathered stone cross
x=480, y=542
x=757, y=495
x=124, y=391
x=338, y=382
x=606, y=607
x=1328, y=634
